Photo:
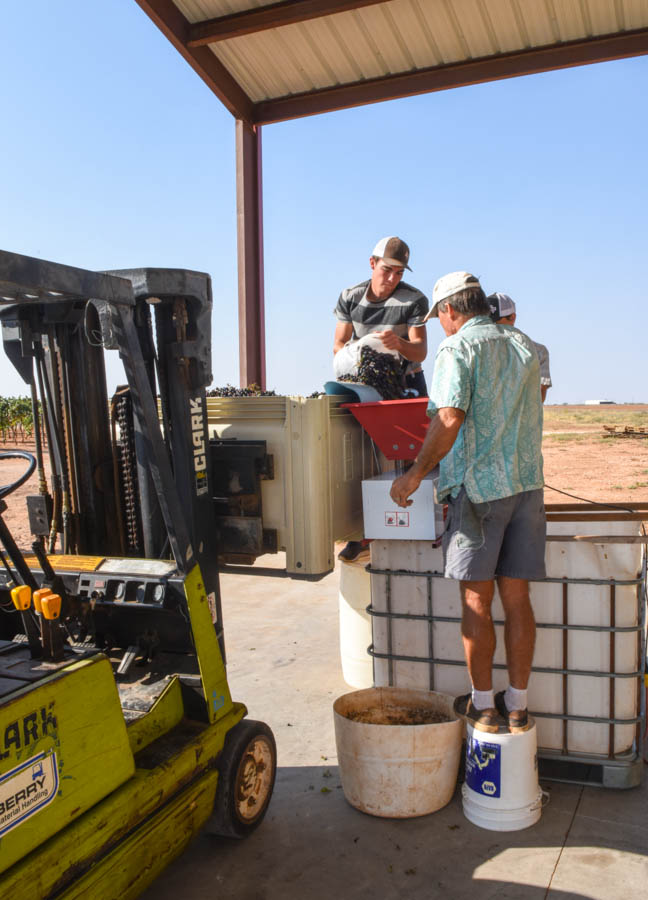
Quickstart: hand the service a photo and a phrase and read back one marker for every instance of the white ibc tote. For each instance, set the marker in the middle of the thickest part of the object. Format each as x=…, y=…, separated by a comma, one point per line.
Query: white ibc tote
x=588, y=606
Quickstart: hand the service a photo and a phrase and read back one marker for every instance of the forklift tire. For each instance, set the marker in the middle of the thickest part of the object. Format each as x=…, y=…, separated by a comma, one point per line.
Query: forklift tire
x=246, y=774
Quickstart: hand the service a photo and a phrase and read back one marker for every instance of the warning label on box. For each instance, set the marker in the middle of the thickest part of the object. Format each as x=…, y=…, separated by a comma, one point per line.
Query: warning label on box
x=27, y=789
x=397, y=519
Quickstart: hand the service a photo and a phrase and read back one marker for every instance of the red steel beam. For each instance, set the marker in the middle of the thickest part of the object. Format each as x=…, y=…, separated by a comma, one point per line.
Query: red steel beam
x=173, y=24
x=441, y=78
x=249, y=224
x=288, y=12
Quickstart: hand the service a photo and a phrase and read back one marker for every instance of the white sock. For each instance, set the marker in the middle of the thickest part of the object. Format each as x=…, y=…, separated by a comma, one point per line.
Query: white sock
x=515, y=699
x=483, y=699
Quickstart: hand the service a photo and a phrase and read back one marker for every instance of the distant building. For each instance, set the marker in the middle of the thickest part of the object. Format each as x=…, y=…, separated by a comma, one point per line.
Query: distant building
x=599, y=402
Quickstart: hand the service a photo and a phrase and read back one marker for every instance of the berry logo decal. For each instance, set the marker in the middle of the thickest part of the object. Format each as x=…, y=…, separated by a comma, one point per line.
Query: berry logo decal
x=27, y=789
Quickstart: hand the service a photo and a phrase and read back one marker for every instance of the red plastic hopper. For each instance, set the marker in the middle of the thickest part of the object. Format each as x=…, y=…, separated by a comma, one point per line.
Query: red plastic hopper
x=397, y=426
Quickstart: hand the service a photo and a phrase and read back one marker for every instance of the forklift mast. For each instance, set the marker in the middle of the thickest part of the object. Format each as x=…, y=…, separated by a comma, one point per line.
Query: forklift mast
x=56, y=325
x=178, y=350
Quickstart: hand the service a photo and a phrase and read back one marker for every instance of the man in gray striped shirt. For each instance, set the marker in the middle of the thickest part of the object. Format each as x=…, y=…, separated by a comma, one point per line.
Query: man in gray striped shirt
x=389, y=306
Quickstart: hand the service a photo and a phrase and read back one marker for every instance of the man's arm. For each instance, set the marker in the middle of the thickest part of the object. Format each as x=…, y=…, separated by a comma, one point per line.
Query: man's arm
x=343, y=334
x=545, y=374
x=413, y=348
x=438, y=442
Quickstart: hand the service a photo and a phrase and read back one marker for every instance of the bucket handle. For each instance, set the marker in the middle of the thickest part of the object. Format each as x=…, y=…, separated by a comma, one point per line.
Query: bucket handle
x=542, y=801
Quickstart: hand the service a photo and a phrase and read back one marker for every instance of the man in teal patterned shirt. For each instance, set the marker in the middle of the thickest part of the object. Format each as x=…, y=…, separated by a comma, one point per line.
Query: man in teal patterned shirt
x=486, y=433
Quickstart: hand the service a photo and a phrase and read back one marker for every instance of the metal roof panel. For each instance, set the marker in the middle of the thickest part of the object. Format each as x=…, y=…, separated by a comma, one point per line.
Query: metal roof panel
x=418, y=35
x=381, y=26
x=438, y=20
x=602, y=16
x=540, y=27
x=334, y=45
x=475, y=23
x=245, y=69
x=359, y=39
x=508, y=25
x=393, y=38
x=635, y=14
x=201, y=10
x=572, y=17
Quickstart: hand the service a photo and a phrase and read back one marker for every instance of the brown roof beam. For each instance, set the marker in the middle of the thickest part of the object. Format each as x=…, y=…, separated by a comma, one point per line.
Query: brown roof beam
x=440, y=78
x=288, y=12
x=171, y=22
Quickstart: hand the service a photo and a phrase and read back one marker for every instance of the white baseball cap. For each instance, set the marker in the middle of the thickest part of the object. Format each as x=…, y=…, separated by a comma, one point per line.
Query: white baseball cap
x=448, y=285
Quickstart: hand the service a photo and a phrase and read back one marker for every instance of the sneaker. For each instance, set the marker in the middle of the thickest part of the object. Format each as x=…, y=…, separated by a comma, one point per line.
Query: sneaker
x=353, y=550
x=517, y=720
x=481, y=719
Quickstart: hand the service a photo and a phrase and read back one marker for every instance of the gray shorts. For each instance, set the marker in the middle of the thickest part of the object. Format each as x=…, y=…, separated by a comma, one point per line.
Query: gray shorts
x=501, y=537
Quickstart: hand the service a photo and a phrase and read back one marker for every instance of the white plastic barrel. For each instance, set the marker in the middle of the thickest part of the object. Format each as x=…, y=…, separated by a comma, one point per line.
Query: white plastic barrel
x=355, y=624
x=501, y=791
x=397, y=770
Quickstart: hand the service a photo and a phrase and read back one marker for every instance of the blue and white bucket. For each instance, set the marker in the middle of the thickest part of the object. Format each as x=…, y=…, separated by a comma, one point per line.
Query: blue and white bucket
x=501, y=790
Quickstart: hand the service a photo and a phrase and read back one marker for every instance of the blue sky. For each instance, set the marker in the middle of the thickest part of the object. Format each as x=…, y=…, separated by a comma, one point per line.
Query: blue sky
x=115, y=154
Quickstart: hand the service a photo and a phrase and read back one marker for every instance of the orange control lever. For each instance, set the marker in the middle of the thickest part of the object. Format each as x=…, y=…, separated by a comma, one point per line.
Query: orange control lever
x=51, y=605
x=38, y=598
x=21, y=596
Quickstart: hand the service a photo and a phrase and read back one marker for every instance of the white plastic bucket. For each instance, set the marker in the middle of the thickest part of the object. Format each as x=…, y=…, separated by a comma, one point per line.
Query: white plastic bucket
x=501, y=791
x=355, y=625
x=395, y=770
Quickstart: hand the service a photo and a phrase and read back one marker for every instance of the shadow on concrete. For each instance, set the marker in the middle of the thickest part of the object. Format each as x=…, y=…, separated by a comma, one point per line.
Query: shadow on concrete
x=314, y=845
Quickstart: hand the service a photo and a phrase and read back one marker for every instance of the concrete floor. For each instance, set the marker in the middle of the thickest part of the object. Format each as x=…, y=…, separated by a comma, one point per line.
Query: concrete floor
x=283, y=662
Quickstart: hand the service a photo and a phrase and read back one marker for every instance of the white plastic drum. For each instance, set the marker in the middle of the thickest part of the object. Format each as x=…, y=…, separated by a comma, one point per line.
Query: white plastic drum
x=355, y=625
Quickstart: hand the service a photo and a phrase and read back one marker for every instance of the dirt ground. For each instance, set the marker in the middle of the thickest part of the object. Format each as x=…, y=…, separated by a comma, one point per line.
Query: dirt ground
x=578, y=459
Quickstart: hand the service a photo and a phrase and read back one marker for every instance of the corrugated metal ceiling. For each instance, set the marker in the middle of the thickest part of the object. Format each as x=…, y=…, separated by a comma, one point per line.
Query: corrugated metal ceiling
x=395, y=42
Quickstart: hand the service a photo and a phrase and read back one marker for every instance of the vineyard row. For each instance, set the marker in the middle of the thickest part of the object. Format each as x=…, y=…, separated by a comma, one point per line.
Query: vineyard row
x=16, y=420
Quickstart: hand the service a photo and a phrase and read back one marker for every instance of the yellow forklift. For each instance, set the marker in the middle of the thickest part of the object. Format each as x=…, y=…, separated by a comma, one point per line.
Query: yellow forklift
x=118, y=735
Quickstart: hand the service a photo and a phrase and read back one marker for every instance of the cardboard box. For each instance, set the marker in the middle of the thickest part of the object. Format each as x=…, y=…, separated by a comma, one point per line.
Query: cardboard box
x=422, y=521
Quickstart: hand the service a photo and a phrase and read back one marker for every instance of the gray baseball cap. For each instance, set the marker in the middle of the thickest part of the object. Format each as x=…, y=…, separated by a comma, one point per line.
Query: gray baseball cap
x=501, y=305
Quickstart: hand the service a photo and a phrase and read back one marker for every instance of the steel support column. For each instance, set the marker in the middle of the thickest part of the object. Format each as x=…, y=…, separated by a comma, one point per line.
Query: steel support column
x=249, y=223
